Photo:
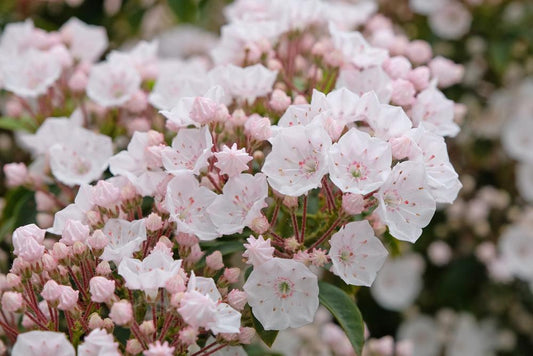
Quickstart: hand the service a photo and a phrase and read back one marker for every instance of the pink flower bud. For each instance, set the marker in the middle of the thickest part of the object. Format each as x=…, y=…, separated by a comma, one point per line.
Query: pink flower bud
x=397, y=67
x=78, y=81
x=186, y=240
x=44, y=220
x=279, y=100
x=175, y=284
x=419, y=77
x=79, y=248
x=14, y=107
x=260, y=225
x=93, y=217
x=300, y=100
x=486, y=252
x=44, y=202
x=258, y=127
x=399, y=45
x=60, y=251
x=68, y=298
x=403, y=92
x=95, y=321
x=290, y=202
x=147, y=327
x=51, y=291
x=446, y=71
x=402, y=147
x=404, y=348
x=105, y=194
x=353, y=204
x=195, y=255
x=74, y=231
x=12, y=281
x=246, y=334
x=237, y=299
x=98, y=240
x=102, y=289
x=274, y=64
x=134, y=347
x=121, y=312
x=153, y=222
x=155, y=138
x=27, y=242
x=203, y=110
x=231, y=275
x=188, y=335
x=418, y=51
x=11, y=301
x=49, y=262
x=238, y=118
x=16, y=174
x=138, y=102
x=108, y=325
x=439, y=253
x=103, y=269
x=214, y=261
x=128, y=192
x=138, y=124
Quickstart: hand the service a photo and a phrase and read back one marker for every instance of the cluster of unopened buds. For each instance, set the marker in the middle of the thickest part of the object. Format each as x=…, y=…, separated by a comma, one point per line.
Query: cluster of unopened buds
x=281, y=147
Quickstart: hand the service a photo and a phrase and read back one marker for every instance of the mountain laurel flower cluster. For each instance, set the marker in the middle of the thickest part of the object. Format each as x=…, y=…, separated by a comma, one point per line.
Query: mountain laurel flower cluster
x=303, y=143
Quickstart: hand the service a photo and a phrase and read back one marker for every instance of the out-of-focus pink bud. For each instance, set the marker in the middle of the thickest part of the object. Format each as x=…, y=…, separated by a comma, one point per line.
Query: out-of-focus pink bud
x=11, y=301
x=134, y=347
x=353, y=204
x=231, y=275
x=98, y=240
x=397, y=67
x=74, y=231
x=138, y=102
x=95, y=321
x=49, y=262
x=147, y=327
x=153, y=222
x=214, y=261
x=51, y=291
x=105, y=194
x=59, y=251
x=78, y=81
x=14, y=107
x=258, y=127
x=188, y=335
x=279, y=100
x=121, y=312
x=446, y=71
x=237, y=299
x=418, y=51
x=103, y=269
x=403, y=92
x=260, y=225
x=439, y=253
x=419, y=77
x=16, y=174
x=246, y=334
x=101, y=289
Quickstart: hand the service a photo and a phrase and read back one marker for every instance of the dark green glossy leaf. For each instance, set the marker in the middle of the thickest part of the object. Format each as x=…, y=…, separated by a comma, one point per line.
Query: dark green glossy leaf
x=17, y=124
x=268, y=336
x=345, y=311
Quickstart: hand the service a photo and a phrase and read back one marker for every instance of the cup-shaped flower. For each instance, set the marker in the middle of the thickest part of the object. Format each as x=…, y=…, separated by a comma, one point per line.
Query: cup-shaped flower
x=125, y=238
x=42, y=343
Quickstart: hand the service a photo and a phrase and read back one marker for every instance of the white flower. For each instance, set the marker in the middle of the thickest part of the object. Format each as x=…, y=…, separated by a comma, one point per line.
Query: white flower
x=151, y=273
x=232, y=161
x=386, y=121
x=98, y=343
x=76, y=211
x=451, y=21
x=135, y=164
x=125, y=238
x=31, y=73
x=517, y=140
x=86, y=42
x=398, y=282
x=298, y=160
x=42, y=343
x=365, y=80
x=244, y=84
x=191, y=148
x=471, y=338
x=516, y=245
x=81, y=156
x=240, y=203
x=423, y=333
x=113, y=82
x=187, y=202
x=435, y=112
x=359, y=163
x=405, y=205
x=282, y=293
x=356, y=253
x=443, y=181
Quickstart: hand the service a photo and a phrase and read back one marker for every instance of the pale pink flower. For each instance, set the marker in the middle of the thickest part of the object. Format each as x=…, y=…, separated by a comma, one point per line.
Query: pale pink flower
x=356, y=253
x=283, y=293
x=232, y=161
x=187, y=202
x=359, y=163
x=356, y=49
x=517, y=250
x=258, y=250
x=121, y=312
x=113, y=82
x=125, y=238
x=76, y=211
x=386, y=121
x=363, y=81
x=451, y=21
x=242, y=199
x=405, y=203
x=298, y=160
x=159, y=349
x=105, y=194
x=86, y=42
x=151, y=273
x=101, y=289
x=244, y=84
x=435, y=112
x=98, y=343
x=258, y=127
x=31, y=74
x=191, y=149
x=398, y=282
x=516, y=138
x=42, y=343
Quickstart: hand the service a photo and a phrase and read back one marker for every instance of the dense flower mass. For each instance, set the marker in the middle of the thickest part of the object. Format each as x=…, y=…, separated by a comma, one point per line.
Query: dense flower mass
x=303, y=142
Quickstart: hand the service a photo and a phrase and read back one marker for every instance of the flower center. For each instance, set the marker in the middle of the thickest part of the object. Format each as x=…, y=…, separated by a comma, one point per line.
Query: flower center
x=284, y=288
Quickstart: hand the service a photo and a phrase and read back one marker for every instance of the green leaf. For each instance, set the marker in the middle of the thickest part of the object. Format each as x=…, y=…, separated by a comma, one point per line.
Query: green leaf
x=226, y=247
x=20, y=124
x=257, y=350
x=19, y=210
x=268, y=336
x=186, y=10
x=344, y=309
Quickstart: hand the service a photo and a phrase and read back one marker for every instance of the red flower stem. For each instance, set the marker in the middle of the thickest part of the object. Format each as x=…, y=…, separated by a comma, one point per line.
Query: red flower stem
x=304, y=218
x=327, y=233
x=214, y=350
x=295, y=226
x=204, y=349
